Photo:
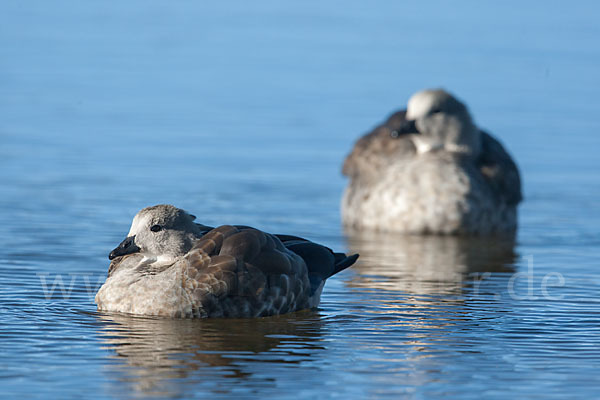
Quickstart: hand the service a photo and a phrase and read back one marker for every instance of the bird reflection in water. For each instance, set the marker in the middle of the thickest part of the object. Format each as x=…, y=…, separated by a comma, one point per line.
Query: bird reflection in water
x=155, y=354
x=417, y=287
x=428, y=265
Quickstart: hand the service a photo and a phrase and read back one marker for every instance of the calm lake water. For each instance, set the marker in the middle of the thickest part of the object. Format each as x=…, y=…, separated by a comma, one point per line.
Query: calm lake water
x=242, y=113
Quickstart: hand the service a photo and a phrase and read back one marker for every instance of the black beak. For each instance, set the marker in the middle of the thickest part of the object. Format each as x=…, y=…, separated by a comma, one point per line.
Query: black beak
x=127, y=246
x=408, y=127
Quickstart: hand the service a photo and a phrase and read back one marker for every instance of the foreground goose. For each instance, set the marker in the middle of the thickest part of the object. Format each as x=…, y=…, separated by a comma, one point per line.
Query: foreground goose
x=430, y=170
x=170, y=266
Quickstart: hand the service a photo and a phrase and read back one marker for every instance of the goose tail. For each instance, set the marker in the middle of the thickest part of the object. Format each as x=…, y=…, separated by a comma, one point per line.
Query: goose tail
x=342, y=261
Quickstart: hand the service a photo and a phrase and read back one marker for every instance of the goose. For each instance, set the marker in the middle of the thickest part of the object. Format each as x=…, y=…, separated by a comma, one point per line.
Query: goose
x=430, y=170
x=170, y=266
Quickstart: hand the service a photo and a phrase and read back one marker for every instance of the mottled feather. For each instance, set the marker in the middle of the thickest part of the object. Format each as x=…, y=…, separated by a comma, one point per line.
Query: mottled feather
x=377, y=149
x=394, y=187
x=230, y=271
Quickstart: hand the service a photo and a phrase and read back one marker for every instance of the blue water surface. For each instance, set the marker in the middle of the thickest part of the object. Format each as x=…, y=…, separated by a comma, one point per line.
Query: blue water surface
x=242, y=112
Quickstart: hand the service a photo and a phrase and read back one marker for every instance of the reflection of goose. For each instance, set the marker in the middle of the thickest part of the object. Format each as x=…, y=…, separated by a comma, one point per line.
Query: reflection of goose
x=430, y=169
x=156, y=352
x=427, y=264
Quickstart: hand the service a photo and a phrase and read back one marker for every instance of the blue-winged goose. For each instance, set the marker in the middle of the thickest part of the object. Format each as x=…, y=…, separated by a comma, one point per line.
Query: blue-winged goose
x=170, y=266
x=430, y=170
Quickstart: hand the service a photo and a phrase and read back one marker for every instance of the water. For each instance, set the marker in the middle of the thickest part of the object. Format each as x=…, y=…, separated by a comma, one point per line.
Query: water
x=242, y=113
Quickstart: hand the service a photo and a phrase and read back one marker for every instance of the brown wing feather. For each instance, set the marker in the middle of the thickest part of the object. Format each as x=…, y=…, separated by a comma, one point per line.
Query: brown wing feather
x=243, y=272
x=377, y=149
x=499, y=170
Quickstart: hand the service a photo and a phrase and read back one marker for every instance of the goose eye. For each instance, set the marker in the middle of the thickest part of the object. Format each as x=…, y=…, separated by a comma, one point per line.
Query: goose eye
x=436, y=110
x=155, y=228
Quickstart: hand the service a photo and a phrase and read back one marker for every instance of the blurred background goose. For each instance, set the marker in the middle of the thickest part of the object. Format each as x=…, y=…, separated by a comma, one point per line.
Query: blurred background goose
x=172, y=267
x=431, y=170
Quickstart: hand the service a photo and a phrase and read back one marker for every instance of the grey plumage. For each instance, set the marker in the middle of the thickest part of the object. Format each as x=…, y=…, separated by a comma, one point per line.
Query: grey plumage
x=170, y=266
x=444, y=177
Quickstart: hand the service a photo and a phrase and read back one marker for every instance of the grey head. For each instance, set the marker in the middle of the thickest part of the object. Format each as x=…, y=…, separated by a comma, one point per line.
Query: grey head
x=159, y=232
x=436, y=120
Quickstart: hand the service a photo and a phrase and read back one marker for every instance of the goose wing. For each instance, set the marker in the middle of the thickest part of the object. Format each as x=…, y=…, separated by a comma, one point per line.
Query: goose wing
x=321, y=261
x=499, y=170
x=241, y=272
x=377, y=149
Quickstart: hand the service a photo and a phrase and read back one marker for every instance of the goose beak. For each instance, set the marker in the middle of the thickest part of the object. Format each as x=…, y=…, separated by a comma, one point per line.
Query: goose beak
x=408, y=127
x=127, y=246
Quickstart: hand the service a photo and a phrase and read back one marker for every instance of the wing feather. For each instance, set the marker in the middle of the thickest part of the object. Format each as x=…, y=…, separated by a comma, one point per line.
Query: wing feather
x=499, y=170
x=241, y=271
x=377, y=149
